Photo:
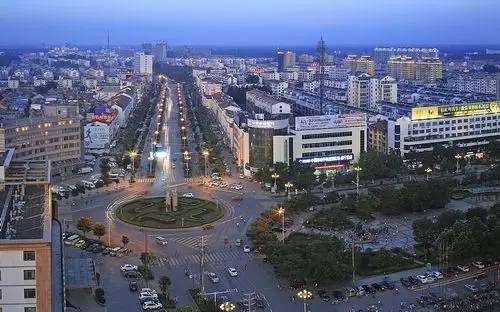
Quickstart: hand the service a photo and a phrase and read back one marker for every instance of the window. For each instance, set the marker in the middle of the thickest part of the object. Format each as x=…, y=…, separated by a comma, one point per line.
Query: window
x=0, y=297
x=29, y=309
x=29, y=293
x=29, y=275
x=29, y=255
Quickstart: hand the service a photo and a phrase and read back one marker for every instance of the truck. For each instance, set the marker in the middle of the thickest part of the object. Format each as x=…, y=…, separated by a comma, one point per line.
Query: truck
x=85, y=170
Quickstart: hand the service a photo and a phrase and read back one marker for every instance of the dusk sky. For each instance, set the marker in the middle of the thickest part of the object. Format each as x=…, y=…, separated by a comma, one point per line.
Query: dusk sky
x=250, y=23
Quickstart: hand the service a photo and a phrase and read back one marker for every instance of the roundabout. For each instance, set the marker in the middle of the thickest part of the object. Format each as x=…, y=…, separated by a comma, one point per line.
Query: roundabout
x=153, y=213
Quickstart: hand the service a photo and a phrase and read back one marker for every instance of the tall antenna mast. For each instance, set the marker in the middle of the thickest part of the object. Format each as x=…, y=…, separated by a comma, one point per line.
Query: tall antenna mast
x=321, y=52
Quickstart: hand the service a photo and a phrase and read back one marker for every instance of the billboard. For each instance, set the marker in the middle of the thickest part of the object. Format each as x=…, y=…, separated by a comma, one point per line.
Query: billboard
x=323, y=159
x=267, y=124
x=330, y=121
x=459, y=110
x=96, y=136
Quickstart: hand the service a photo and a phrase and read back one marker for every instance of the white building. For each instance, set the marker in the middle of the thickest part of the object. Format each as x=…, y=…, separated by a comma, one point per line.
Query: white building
x=307, y=75
x=278, y=87
x=270, y=75
x=366, y=91
x=13, y=84
x=143, y=64
x=469, y=127
x=310, y=86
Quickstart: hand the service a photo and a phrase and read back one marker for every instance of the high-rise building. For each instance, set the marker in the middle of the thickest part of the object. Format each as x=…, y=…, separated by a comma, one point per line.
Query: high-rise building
x=428, y=69
x=285, y=60
x=31, y=265
x=147, y=47
x=365, y=91
x=382, y=55
x=160, y=52
x=360, y=64
x=498, y=86
x=401, y=67
x=143, y=63
x=306, y=58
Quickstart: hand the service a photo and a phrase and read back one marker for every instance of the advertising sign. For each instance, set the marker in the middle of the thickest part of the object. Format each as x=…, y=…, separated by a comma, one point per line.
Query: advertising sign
x=470, y=109
x=268, y=124
x=96, y=136
x=333, y=158
x=330, y=121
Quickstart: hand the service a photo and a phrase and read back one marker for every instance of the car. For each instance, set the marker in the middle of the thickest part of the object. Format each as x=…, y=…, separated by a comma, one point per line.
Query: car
x=463, y=268
x=80, y=243
x=350, y=292
x=405, y=282
x=339, y=295
x=151, y=305
x=413, y=280
x=128, y=267
x=360, y=291
x=437, y=274
x=242, y=176
x=471, y=287
x=452, y=271
x=132, y=286
x=232, y=272
x=98, y=249
x=369, y=289
x=238, y=242
x=213, y=277
x=388, y=285
x=323, y=295
x=246, y=248
x=478, y=264
x=188, y=195
x=161, y=240
x=147, y=294
x=148, y=290
x=132, y=274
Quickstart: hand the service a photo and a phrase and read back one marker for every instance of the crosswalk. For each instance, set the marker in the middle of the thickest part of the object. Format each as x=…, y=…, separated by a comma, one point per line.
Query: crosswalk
x=211, y=257
x=145, y=180
x=193, y=241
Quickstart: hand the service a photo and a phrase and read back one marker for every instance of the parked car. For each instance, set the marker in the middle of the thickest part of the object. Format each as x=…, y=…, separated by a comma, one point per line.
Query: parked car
x=350, y=292
x=478, y=264
x=471, y=287
x=128, y=267
x=323, y=295
x=388, y=285
x=151, y=305
x=213, y=277
x=232, y=272
x=463, y=268
x=188, y=195
x=132, y=286
x=246, y=248
x=238, y=242
x=406, y=283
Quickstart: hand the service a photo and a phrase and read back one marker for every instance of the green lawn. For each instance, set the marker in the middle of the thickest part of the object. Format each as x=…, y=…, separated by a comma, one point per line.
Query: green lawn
x=151, y=212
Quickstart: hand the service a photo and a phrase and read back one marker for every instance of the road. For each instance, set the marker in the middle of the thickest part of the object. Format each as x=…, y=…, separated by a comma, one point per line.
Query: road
x=182, y=253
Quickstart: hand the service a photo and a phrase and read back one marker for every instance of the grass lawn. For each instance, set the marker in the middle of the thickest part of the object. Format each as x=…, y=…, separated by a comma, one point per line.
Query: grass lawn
x=151, y=212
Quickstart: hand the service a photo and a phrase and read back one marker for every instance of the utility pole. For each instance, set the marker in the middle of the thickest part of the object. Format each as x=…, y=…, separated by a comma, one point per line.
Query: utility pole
x=321, y=51
x=353, y=267
x=202, y=264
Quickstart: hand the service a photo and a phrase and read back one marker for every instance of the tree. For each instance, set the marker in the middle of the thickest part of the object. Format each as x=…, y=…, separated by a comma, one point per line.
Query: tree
x=125, y=240
x=424, y=232
x=164, y=283
x=146, y=258
x=105, y=168
x=493, y=149
x=99, y=230
x=85, y=225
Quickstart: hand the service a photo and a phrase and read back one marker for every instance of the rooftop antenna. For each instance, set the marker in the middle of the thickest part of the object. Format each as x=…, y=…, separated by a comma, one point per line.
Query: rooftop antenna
x=320, y=48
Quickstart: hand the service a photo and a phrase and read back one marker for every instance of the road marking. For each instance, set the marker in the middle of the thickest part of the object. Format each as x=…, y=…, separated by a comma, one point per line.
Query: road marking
x=215, y=257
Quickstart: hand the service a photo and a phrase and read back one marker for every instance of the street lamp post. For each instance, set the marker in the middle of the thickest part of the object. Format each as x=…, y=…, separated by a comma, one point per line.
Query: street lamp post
x=305, y=295
x=357, y=169
x=428, y=171
x=132, y=158
x=288, y=185
x=227, y=307
x=281, y=212
x=205, y=153
x=184, y=141
x=458, y=157
x=275, y=176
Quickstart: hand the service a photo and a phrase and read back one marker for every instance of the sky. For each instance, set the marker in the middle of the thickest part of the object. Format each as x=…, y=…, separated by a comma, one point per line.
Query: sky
x=250, y=22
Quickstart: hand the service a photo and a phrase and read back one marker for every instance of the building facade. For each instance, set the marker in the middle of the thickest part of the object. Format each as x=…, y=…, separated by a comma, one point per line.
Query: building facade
x=360, y=64
x=286, y=60
x=143, y=64
x=428, y=69
x=401, y=67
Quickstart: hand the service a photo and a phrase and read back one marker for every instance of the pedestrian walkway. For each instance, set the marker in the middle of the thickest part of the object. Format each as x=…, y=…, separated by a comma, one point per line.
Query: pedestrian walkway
x=192, y=242
x=219, y=256
x=145, y=180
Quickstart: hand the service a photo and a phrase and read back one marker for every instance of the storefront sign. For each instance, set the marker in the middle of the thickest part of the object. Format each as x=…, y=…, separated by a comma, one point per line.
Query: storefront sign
x=470, y=109
x=324, y=159
x=267, y=124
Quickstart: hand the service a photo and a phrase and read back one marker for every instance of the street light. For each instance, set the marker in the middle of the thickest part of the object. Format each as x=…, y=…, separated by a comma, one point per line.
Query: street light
x=428, y=171
x=132, y=155
x=357, y=169
x=184, y=141
x=288, y=185
x=281, y=212
x=205, y=153
x=458, y=157
x=305, y=295
x=275, y=176
x=227, y=307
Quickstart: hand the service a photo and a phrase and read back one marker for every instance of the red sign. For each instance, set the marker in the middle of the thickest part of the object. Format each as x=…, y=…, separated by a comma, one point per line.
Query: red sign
x=107, y=117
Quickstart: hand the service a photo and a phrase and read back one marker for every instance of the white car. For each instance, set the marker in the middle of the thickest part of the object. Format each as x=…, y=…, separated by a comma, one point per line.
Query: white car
x=213, y=277
x=437, y=274
x=424, y=279
x=463, y=268
x=128, y=267
x=478, y=264
x=151, y=305
x=246, y=248
x=242, y=176
x=232, y=272
x=161, y=240
x=147, y=294
x=188, y=195
x=149, y=290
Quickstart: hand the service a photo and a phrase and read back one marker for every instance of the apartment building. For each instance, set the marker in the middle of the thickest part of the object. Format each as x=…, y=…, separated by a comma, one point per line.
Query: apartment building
x=360, y=64
x=401, y=67
x=365, y=91
x=143, y=63
x=428, y=69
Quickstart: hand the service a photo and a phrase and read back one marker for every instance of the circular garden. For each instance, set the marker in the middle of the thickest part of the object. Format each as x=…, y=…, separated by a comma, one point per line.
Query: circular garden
x=151, y=212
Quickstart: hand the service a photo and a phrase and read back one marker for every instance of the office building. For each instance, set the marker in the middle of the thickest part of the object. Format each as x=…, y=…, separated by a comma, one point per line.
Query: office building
x=360, y=64
x=52, y=133
x=286, y=60
x=401, y=67
x=31, y=257
x=428, y=69
x=469, y=127
x=160, y=52
x=143, y=63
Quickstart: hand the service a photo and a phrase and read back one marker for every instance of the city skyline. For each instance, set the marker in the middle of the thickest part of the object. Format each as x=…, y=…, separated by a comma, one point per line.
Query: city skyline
x=259, y=23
